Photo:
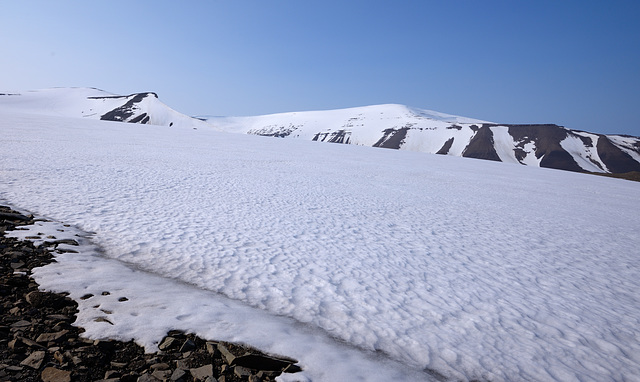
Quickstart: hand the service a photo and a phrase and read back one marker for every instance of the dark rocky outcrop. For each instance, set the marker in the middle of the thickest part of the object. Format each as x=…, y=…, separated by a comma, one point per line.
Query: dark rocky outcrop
x=38, y=341
x=127, y=112
x=481, y=145
x=547, y=138
x=392, y=138
x=444, y=150
x=616, y=160
x=338, y=136
x=274, y=130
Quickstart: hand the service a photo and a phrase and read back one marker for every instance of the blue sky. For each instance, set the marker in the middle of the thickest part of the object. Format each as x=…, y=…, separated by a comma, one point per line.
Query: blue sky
x=574, y=63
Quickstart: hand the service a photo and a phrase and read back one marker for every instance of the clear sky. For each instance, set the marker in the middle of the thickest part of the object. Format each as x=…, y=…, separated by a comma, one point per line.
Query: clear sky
x=571, y=62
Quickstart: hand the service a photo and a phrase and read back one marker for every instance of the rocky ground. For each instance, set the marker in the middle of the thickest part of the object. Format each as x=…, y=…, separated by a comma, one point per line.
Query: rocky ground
x=38, y=341
x=633, y=175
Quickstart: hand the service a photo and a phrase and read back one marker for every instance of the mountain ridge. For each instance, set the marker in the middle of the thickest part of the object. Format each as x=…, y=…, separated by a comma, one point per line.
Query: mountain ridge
x=401, y=127
x=391, y=126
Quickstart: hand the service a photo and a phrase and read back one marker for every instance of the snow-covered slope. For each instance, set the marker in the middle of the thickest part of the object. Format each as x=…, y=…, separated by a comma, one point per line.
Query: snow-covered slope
x=401, y=127
x=90, y=103
x=344, y=258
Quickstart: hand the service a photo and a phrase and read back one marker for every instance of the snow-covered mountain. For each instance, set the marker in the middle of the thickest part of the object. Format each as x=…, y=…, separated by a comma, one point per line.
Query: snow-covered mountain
x=401, y=127
x=387, y=126
x=92, y=103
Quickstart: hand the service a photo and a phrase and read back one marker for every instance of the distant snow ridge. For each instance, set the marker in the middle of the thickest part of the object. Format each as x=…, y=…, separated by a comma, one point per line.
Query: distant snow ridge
x=144, y=108
x=388, y=126
x=401, y=127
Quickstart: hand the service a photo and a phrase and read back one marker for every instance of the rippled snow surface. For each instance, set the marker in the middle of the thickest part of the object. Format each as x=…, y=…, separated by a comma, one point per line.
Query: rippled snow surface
x=471, y=268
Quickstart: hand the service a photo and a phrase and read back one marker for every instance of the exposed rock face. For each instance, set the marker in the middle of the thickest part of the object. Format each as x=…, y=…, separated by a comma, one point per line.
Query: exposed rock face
x=392, y=138
x=338, y=136
x=617, y=161
x=547, y=140
x=275, y=131
x=39, y=342
x=129, y=111
x=444, y=150
x=482, y=145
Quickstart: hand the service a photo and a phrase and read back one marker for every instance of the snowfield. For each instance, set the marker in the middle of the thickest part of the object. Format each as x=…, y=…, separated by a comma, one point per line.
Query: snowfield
x=364, y=264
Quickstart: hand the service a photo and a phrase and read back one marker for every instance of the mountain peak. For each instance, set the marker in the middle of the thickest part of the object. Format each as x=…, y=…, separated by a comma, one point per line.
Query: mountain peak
x=92, y=103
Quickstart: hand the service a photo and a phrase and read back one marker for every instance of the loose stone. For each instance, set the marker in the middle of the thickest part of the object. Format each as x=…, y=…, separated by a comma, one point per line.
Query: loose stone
x=34, y=360
x=51, y=374
x=202, y=372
